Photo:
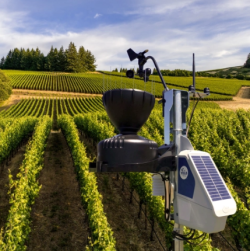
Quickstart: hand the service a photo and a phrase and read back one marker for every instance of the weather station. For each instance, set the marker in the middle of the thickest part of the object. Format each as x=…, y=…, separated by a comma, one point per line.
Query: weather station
x=195, y=193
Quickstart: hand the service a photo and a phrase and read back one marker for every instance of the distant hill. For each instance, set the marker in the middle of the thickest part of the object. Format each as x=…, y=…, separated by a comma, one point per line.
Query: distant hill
x=239, y=72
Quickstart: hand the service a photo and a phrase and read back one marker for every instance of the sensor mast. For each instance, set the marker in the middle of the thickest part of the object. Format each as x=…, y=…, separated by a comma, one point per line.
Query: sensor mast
x=193, y=184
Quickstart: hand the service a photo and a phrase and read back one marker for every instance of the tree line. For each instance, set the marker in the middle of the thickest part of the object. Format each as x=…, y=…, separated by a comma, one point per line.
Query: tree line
x=176, y=72
x=247, y=63
x=69, y=60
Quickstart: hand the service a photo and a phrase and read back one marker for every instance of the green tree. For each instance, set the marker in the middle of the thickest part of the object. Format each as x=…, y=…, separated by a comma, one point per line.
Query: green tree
x=90, y=61
x=28, y=60
x=56, y=60
x=15, y=59
x=2, y=63
x=72, y=59
x=82, y=59
x=8, y=60
x=23, y=59
x=37, y=60
x=50, y=64
x=62, y=59
x=247, y=64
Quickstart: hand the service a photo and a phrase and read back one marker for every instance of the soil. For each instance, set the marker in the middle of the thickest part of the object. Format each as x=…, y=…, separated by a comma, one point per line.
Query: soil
x=219, y=242
x=240, y=101
x=65, y=73
x=130, y=232
x=13, y=167
x=49, y=93
x=58, y=217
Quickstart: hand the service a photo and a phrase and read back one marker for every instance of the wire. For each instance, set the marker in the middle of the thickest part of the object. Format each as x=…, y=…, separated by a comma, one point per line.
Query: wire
x=148, y=220
x=188, y=240
x=184, y=235
x=199, y=242
x=191, y=116
x=226, y=241
x=188, y=236
x=167, y=208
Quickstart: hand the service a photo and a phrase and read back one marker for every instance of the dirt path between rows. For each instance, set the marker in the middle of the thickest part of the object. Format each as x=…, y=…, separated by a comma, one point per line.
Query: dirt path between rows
x=58, y=217
x=130, y=231
x=242, y=100
x=43, y=93
x=13, y=167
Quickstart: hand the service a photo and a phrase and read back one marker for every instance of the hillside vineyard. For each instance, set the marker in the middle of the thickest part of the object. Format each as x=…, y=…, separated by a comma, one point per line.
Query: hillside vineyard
x=50, y=192
x=221, y=89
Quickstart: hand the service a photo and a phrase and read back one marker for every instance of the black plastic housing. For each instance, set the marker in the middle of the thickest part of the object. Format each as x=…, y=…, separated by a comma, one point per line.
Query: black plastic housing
x=122, y=149
x=207, y=90
x=128, y=110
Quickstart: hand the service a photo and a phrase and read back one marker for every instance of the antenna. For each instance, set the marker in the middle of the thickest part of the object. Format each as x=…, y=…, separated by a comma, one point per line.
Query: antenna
x=192, y=88
x=194, y=71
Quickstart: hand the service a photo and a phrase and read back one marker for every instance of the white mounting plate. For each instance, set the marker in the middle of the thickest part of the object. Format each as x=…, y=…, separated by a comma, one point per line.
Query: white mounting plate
x=168, y=96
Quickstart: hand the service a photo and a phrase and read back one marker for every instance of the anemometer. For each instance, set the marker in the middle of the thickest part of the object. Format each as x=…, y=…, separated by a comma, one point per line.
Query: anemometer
x=188, y=179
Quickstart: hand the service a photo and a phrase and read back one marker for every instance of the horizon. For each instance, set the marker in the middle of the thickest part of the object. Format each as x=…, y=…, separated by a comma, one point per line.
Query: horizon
x=217, y=32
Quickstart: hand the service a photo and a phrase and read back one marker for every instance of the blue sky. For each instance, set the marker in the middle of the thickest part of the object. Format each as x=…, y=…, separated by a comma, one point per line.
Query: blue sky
x=217, y=31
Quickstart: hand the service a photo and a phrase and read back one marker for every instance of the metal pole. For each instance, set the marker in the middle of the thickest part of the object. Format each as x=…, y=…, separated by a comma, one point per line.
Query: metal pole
x=193, y=71
x=177, y=129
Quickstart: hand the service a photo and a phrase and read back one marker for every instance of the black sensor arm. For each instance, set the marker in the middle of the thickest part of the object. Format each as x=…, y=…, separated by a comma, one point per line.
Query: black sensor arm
x=159, y=72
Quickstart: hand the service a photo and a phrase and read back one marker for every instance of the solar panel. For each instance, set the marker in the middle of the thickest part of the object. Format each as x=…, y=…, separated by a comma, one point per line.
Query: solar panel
x=211, y=178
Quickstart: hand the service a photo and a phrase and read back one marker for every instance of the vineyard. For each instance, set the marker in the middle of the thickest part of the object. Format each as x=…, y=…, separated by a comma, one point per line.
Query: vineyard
x=226, y=138
x=99, y=83
x=48, y=106
x=227, y=151
x=216, y=85
x=52, y=193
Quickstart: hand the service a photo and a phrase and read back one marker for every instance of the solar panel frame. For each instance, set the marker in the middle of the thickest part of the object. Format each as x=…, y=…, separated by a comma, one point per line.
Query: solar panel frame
x=210, y=177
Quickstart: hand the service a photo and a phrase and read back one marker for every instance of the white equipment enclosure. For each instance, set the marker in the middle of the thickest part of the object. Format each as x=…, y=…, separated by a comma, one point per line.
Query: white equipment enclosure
x=202, y=199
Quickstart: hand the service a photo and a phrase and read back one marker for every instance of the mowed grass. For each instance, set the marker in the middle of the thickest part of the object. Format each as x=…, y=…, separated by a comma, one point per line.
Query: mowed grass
x=221, y=89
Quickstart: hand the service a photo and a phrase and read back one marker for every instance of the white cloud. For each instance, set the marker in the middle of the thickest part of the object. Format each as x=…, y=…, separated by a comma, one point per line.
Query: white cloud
x=97, y=15
x=162, y=7
x=218, y=36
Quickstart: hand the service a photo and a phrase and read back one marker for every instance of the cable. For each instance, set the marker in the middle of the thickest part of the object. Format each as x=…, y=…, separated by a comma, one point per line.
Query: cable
x=188, y=240
x=226, y=241
x=187, y=237
x=191, y=116
x=167, y=207
x=184, y=236
x=148, y=220
x=199, y=242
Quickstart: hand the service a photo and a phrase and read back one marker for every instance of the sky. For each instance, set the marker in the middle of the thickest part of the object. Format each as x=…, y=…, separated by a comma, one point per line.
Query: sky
x=217, y=31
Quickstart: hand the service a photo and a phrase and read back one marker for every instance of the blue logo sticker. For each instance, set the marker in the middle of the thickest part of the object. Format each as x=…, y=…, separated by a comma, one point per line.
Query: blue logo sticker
x=186, y=181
